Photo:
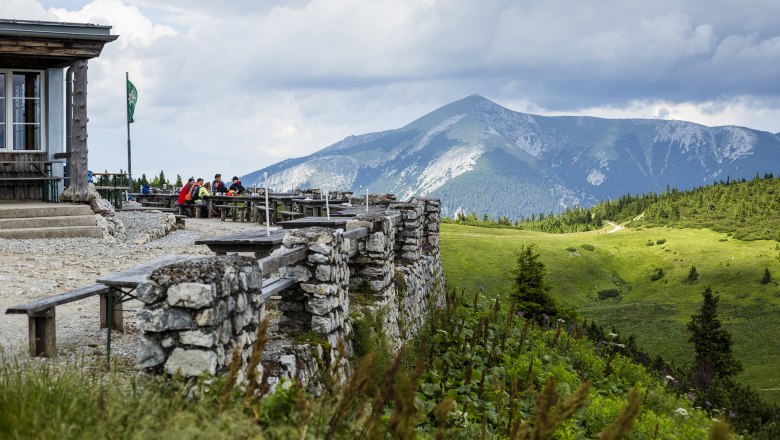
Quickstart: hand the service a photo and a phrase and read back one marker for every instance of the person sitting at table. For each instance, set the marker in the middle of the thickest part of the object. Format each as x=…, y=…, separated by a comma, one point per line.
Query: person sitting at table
x=236, y=187
x=184, y=193
x=218, y=185
x=145, y=189
x=199, y=192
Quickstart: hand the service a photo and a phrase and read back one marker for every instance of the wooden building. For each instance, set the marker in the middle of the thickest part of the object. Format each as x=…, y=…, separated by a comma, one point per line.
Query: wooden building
x=43, y=106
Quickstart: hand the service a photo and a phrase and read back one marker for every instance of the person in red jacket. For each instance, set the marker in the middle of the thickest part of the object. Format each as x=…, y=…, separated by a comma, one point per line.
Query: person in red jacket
x=183, y=194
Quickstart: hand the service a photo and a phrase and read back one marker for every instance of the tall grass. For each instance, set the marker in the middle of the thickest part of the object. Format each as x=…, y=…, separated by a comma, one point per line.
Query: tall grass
x=479, y=369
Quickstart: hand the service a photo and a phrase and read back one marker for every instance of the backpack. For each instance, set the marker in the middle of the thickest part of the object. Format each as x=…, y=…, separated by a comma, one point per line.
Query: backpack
x=192, y=194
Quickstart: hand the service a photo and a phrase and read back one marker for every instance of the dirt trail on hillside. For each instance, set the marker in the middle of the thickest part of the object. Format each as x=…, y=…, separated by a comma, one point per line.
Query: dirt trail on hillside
x=615, y=227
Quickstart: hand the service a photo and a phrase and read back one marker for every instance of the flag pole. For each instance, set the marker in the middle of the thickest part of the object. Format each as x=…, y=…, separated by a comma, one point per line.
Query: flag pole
x=127, y=107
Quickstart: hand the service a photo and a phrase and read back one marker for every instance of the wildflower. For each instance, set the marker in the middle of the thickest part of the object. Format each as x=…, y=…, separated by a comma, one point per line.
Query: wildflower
x=612, y=335
x=732, y=415
x=444, y=332
x=681, y=411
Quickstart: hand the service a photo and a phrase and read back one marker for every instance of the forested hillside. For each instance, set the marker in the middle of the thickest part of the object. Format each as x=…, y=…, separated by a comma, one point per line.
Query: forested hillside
x=750, y=210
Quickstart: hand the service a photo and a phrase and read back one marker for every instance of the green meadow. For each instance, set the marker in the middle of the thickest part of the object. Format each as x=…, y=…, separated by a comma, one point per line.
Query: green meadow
x=483, y=259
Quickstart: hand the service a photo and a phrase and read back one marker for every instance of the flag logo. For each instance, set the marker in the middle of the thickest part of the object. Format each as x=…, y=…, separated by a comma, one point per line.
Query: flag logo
x=132, y=98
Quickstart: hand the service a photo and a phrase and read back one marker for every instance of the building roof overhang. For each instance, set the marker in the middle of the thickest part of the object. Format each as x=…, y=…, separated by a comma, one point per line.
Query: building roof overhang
x=44, y=44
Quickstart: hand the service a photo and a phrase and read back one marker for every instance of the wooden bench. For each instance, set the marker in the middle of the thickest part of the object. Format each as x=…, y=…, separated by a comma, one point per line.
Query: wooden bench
x=258, y=213
x=48, y=185
x=290, y=215
x=41, y=317
x=240, y=209
x=272, y=286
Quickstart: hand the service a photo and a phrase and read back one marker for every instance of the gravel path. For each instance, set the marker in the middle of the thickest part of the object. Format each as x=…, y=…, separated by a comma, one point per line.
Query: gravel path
x=33, y=269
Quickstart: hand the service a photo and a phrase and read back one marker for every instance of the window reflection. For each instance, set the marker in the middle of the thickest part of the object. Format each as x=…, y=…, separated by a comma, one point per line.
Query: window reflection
x=26, y=110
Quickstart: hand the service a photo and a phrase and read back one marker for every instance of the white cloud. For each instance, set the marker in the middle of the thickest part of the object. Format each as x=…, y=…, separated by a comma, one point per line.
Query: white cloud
x=235, y=85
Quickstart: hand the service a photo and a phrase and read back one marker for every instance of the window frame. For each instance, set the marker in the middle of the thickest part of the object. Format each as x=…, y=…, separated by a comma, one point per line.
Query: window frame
x=9, y=116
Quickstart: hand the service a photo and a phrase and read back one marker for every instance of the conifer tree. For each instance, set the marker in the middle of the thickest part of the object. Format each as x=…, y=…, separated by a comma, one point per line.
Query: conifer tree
x=533, y=291
x=767, y=276
x=693, y=274
x=714, y=357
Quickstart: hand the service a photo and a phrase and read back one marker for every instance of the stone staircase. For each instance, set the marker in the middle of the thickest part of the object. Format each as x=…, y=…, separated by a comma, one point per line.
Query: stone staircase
x=47, y=220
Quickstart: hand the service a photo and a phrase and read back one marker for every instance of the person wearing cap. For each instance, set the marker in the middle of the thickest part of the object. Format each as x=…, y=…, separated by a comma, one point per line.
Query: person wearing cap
x=236, y=187
x=218, y=185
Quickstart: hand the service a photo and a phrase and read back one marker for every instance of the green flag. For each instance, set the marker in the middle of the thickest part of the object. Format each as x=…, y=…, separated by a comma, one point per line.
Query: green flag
x=132, y=98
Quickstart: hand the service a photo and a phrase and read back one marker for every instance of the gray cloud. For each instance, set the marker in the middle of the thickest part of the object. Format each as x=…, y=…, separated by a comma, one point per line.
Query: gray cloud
x=240, y=84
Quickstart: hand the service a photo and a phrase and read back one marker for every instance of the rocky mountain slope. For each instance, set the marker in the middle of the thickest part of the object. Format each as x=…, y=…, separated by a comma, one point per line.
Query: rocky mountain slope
x=480, y=157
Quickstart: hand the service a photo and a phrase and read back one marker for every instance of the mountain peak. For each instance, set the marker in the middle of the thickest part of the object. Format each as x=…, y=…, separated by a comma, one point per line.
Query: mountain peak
x=478, y=156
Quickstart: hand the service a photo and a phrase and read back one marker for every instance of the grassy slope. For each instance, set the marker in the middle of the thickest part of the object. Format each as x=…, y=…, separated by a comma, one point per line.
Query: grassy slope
x=656, y=312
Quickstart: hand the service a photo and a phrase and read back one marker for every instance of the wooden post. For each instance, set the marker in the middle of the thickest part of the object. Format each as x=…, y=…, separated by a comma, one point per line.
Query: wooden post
x=78, y=160
x=118, y=319
x=42, y=333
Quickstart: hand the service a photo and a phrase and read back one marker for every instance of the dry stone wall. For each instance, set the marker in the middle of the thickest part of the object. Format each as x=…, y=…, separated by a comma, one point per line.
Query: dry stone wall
x=197, y=313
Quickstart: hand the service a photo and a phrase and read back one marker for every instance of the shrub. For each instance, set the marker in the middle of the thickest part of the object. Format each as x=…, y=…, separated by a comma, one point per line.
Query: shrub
x=588, y=247
x=608, y=293
x=660, y=241
x=693, y=274
x=657, y=274
x=767, y=276
x=650, y=243
x=571, y=249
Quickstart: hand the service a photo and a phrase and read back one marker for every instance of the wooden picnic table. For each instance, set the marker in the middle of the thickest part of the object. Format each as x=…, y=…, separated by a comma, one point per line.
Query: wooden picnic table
x=158, y=199
x=248, y=241
x=354, y=210
x=217, y=199
x=310, y=207
x=128, y=280
x=334, y=222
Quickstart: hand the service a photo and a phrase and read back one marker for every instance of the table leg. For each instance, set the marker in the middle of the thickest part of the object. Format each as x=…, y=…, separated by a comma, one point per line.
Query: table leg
x=109, y=325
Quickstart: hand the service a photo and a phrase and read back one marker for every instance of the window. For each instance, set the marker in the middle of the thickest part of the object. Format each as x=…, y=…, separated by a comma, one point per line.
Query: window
x=20, y=110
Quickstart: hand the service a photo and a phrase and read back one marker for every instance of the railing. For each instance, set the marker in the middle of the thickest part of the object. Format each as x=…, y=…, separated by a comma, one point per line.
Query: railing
x=112, y=186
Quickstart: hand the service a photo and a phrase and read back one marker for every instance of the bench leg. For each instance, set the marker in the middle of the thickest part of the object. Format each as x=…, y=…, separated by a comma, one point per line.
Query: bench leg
x=42, y=333
x=222, y=214
x=197, y=211
x=117, y=321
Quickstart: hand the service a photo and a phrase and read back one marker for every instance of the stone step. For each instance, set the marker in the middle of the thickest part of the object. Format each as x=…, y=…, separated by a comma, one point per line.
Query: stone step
x=44, y=210
x=48, y=222
x=56, y=232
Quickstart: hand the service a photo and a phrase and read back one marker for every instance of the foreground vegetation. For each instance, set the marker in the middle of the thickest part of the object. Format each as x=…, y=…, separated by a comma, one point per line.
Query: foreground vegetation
x=479, y=370
x=609, y=279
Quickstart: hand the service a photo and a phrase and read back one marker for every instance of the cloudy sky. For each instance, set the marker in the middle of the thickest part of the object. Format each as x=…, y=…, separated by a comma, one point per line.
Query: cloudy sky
x=235, y=85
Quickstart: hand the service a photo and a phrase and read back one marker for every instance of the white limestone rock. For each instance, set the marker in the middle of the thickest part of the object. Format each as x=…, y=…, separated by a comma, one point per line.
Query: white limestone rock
x=191, y=363
x=191, y=295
